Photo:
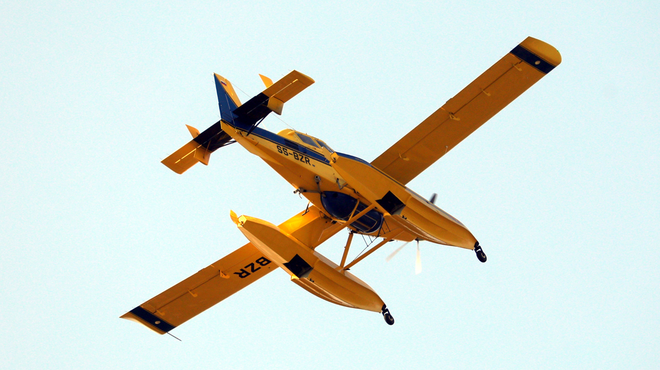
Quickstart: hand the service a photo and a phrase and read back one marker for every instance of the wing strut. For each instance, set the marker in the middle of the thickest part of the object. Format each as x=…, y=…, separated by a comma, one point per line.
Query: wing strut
x=350, y=240
x=346, y=249
x=370, y=251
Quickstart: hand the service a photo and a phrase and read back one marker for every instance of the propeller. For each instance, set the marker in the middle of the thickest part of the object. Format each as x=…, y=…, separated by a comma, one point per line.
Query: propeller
x=395, y=252
x=418, y=259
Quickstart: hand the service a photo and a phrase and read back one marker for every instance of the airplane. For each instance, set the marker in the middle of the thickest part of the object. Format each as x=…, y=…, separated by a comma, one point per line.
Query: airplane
x=344, y=191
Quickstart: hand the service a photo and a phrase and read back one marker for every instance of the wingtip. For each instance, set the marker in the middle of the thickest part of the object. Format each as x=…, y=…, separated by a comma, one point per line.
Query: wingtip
x=148, y=319
x=544, y=50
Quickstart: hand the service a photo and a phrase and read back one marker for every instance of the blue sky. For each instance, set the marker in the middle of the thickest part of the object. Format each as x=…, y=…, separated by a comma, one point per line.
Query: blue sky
x=561, y=187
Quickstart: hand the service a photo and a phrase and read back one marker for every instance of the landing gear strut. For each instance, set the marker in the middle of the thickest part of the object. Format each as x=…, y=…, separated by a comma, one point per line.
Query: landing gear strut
x=387, y=316
x=480, y=252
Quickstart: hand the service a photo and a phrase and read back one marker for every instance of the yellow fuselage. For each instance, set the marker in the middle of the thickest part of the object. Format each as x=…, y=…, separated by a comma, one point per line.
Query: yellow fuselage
x=314, y=169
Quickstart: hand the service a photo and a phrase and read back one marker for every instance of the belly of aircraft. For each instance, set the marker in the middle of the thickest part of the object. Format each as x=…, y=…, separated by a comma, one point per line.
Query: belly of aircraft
x=311, y=173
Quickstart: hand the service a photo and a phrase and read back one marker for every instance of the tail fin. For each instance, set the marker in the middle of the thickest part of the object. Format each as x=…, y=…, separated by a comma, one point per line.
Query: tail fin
x=227, y=99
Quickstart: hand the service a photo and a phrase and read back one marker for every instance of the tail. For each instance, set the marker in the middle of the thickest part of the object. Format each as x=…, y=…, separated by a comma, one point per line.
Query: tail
x=247, y=116
x=227, y=99
x=273, y=98
x=199, y=149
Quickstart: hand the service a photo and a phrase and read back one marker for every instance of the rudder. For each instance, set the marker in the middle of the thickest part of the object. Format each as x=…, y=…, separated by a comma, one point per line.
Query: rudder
x=227, y=99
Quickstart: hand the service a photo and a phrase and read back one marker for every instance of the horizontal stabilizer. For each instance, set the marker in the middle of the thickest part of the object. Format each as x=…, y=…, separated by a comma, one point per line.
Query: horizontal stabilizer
x=288, y=86
x=273, y=98
x=199, y=149
x=184, y=158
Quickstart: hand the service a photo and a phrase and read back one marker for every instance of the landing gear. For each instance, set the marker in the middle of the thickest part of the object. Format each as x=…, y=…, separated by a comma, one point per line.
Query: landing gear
x=480, y=252
x=387, y=316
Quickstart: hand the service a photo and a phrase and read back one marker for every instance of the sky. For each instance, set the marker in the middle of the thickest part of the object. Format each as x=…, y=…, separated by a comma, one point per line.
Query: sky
x=560, y=188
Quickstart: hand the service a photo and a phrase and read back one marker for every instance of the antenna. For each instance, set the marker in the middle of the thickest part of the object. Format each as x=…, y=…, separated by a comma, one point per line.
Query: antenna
x=168, y=333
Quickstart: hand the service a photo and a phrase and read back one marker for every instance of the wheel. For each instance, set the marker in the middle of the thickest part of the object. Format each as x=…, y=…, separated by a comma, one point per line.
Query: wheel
x=389, y=319
x=481, y=256
x=387, y=316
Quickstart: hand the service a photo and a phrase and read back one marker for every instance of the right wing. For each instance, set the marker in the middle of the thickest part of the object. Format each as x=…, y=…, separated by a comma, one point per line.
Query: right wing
x=225, y=277
x=468, y=110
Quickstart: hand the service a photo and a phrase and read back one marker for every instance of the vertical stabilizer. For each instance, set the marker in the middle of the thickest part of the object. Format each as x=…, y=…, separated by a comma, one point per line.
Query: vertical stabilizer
x=227, y=98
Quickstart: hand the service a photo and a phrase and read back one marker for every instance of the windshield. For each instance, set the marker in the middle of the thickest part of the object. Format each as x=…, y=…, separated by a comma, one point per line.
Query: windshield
x=324, y=145
x=307, y=140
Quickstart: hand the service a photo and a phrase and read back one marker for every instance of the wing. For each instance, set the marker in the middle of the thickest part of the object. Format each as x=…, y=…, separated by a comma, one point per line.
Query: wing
x=202, y=290
x=468, y=110
x=225, y=277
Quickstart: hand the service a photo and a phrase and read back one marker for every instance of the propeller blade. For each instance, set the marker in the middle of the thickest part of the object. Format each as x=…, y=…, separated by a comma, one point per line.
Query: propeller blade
x=432, y=200
x=395, y=252
x=418, y=261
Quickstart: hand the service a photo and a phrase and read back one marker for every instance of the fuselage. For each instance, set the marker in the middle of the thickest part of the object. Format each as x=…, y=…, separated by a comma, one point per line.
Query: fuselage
x=343, y=185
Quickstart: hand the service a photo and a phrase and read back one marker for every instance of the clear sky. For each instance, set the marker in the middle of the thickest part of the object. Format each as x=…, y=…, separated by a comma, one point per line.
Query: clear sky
x=561, y=187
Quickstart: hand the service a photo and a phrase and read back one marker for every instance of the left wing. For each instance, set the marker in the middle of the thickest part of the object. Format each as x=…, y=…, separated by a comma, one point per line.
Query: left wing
x=225, y=277
x=202, y=290
x=468, y=110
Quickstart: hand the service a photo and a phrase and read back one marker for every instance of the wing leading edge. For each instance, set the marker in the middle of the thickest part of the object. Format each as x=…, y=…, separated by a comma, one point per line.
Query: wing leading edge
x=468, y=110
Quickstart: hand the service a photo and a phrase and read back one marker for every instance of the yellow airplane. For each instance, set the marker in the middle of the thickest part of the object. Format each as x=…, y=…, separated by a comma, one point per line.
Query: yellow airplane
x=344, y=191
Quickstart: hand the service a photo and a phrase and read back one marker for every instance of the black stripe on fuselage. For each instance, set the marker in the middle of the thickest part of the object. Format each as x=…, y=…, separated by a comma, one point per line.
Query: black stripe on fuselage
x=532, y=59
x=254, y=109
x=152, y=319
x=213, y=137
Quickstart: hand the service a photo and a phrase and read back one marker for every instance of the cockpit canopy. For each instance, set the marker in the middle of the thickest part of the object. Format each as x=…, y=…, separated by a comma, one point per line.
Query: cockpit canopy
x=305, y=140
